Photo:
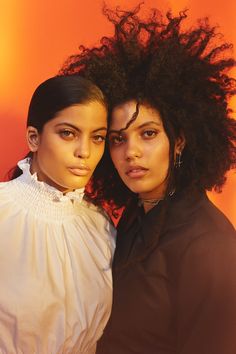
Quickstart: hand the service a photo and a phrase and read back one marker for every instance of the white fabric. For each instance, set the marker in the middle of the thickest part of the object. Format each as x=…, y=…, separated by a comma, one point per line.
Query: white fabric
x=55, y=269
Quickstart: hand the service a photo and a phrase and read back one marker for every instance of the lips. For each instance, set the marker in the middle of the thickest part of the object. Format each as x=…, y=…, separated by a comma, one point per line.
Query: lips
x=136, y=172
x=79, y=170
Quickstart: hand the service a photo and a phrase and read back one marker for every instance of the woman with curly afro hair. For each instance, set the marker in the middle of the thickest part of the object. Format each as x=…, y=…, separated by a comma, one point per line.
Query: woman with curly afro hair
x=171, y=138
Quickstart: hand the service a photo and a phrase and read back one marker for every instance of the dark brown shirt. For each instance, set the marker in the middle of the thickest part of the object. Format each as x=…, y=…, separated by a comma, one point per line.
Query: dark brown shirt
x=174, y=281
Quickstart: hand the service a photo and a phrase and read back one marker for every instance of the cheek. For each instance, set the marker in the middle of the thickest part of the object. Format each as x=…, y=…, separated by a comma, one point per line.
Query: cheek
x=52, y=156
x=96, y=155
x=50, y=145
x=158, y=155
x=116, y=158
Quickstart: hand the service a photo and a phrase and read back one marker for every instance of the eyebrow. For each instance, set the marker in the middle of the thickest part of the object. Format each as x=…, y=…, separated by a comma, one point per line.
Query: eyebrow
x=139, y=127
x=77, y=129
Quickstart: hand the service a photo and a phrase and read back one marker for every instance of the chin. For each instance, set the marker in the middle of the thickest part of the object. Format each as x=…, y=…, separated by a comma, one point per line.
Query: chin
x=137, y=190
x=78, y=183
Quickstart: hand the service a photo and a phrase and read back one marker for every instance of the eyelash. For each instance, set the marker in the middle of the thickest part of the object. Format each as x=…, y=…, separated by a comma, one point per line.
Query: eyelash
x=70, y=135
x=117, y=140
x=66, y=134
x=152, y=135
x=98, y=139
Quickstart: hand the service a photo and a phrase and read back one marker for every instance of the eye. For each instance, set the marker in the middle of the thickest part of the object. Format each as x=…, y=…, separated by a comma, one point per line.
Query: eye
x=66, y=134
x=116, y=139
x=150, y=133
x=99, y=138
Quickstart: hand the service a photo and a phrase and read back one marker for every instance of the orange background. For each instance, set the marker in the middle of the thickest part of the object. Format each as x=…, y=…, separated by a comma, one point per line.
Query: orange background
x=36, y=36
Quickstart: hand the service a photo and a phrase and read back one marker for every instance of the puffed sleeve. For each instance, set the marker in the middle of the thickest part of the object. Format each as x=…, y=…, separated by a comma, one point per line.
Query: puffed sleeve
x=206, y=300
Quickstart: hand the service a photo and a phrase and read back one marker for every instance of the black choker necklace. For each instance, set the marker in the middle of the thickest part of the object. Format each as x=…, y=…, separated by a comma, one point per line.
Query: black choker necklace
x=153, y=201
x=149, y=201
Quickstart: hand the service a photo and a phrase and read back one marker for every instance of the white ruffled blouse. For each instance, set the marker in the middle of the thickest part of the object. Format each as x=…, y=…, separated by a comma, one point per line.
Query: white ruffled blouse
x=55, y=269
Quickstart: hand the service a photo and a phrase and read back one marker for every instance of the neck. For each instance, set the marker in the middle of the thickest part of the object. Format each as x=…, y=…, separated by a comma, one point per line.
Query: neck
x=149, y=203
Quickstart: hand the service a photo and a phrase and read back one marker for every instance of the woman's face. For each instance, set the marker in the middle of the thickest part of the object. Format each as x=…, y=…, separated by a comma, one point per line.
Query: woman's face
x=70, y=146
x=141, y=152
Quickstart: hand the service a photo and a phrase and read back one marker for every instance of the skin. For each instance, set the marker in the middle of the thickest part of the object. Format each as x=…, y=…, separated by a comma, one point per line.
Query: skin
x=141, y=152
x=70, y=146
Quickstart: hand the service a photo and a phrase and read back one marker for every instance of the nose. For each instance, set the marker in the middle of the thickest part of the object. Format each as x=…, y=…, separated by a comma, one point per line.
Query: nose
x=82, y=149
x=133, y=149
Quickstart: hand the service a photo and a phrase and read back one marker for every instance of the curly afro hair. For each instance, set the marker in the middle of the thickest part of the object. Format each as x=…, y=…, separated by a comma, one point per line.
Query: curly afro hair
x=184, y=74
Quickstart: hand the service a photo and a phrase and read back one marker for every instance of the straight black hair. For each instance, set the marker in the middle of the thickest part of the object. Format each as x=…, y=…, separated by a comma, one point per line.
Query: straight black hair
x=54, y=95
x=58, y=93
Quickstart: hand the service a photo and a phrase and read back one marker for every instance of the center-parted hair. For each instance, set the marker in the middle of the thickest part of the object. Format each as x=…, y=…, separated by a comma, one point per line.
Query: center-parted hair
x=184, y=75
x=58, y=93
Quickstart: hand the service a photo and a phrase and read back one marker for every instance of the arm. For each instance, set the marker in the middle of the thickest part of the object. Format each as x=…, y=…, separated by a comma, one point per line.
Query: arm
x=206, y=301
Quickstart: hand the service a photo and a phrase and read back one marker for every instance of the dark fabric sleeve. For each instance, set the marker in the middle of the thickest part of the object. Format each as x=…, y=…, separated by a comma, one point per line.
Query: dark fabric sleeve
x=206, y=301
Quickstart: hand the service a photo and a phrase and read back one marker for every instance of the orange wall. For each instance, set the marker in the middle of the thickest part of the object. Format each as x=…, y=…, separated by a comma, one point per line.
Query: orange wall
x=37, y=36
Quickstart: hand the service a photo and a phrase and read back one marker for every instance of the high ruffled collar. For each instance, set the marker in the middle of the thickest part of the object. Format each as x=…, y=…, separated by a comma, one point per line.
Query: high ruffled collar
x=52, y=192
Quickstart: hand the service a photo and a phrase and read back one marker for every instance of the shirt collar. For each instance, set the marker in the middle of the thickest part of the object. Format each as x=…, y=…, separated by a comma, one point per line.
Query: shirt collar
x=51, y=191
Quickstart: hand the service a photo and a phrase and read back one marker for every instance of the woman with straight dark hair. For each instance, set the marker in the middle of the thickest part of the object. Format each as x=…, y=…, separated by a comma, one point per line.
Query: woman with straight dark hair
x=56, y=245
x=172, y=137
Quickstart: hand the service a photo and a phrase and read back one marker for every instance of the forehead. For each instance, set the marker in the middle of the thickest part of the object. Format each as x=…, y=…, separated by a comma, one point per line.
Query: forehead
x=123, y=113
x=88, y=114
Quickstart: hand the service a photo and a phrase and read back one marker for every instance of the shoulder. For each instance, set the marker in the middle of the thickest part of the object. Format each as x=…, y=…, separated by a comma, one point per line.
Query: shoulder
x=209, y=248
x=198, y=233
x=3, y=185
x=7, y=189
x=8, y=205
x=193, y=219
x=214, y=217
x=211, y=227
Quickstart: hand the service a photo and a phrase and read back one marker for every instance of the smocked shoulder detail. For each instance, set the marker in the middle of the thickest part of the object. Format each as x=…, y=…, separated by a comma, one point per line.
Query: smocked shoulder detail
x=40, y=198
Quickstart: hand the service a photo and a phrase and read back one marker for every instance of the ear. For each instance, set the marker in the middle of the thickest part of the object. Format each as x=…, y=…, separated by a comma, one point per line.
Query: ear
x=180, y=143
x=33, y=138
